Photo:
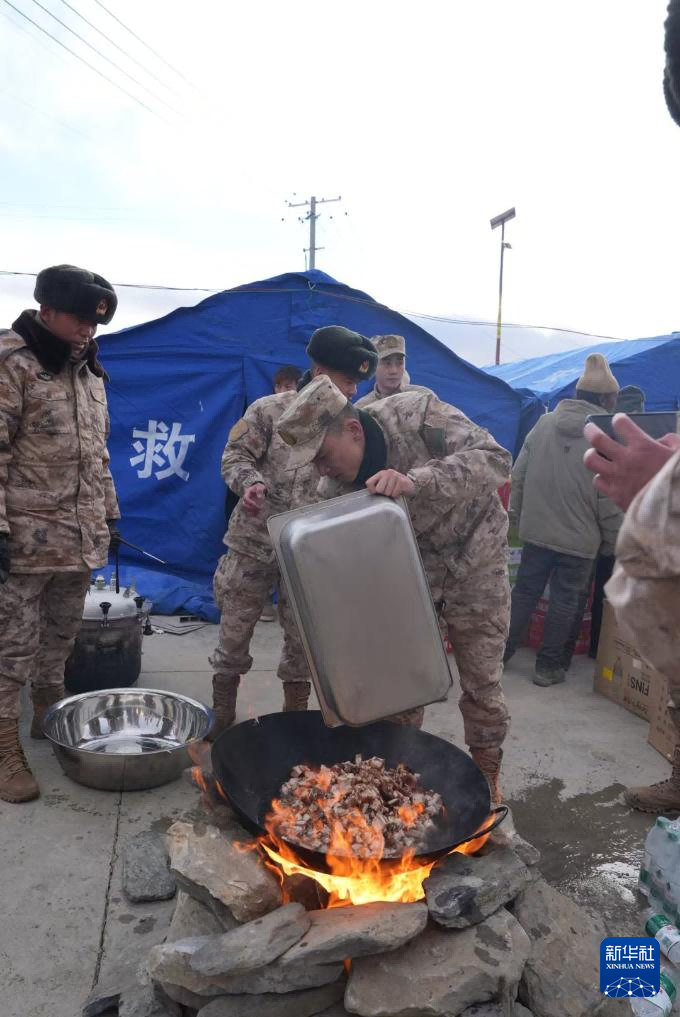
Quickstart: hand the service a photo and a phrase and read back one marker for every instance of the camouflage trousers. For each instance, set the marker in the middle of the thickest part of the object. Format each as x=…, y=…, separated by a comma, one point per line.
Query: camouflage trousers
x=242, y=586
x=40, y=617
x=477, y=615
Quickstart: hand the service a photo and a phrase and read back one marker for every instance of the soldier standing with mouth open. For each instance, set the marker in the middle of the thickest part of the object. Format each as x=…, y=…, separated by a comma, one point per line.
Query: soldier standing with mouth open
x=57, y=499
x=449, y=470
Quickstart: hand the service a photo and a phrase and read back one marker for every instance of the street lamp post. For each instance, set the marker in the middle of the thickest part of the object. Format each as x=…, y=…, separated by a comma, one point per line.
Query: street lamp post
x=500, y=220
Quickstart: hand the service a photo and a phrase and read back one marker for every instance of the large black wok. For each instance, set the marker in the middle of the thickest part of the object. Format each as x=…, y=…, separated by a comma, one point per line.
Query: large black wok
x=253, y=759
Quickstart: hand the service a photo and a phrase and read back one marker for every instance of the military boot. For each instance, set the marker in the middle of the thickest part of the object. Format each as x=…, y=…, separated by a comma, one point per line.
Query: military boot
x=295, y=696
x=225, y=691
x=489, y=762
x=43, y=696
x=17, y=783
x=660, y=799
x=410, y=718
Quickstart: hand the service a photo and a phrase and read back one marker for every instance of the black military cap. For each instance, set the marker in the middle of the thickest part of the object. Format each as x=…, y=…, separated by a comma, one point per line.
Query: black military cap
x=75, y=290
x=341, y=349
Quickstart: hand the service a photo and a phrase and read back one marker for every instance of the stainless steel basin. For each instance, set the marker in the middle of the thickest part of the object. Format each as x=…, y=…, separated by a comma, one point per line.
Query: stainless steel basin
x=125, y=739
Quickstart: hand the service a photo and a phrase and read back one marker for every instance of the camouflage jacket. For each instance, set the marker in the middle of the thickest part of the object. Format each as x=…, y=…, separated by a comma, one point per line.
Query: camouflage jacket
x=645, y=588
x=255, y=454
x=457, y=468
x=375, y=396
x=56, y=489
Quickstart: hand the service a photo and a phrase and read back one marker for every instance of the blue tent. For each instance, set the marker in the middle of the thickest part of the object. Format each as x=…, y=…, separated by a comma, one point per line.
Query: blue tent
x=179, y=383
x=652, y=364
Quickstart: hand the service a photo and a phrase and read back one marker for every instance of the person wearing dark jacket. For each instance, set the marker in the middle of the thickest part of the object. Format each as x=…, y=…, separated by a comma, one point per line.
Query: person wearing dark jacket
x=561, y=518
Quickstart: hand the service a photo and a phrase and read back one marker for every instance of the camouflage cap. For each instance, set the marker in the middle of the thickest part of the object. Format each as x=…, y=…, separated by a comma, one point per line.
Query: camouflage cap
x=388, y=345
x=304, y=424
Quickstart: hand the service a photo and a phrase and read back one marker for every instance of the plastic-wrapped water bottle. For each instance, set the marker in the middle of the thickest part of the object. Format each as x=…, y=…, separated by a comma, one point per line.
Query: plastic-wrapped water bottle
x=664, y=931
x=653, y=849
x=661, y=1004
x=672, y=874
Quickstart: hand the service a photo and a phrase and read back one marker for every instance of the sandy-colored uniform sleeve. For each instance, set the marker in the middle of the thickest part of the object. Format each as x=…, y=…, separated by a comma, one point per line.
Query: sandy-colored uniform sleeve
x=248, y=442
x=466, y=461
x=11, y=408
x=110, y=497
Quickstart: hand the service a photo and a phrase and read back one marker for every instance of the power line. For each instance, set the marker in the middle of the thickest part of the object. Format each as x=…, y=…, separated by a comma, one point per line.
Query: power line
x=103, y=56
x=120, y=49
x=508, y=324
x=84, y=61
x=131, y=286
x=61, y=123
x=145, y=44
x=433, y=317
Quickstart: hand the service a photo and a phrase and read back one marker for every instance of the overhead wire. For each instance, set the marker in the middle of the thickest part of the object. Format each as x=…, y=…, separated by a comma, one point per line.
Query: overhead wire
x=49, y=116
x=103, y=56
x=143, y=43
x=202, y=289
x=84, y=61
x=120, y=49
x=510, y=324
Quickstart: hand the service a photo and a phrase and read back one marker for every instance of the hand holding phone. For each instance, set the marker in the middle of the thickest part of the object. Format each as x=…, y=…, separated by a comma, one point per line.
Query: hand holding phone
x=625, y=463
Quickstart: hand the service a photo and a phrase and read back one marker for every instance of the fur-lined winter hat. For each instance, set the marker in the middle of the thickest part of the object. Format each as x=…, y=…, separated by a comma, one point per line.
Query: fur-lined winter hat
x=75, y=290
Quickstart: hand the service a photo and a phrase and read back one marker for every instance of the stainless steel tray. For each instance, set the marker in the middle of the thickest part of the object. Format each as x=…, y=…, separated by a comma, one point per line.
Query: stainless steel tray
x=361, y=599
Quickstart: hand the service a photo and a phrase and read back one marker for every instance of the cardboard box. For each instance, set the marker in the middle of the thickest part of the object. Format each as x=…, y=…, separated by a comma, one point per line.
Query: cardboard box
x=608, y=681
x=663, y=735
x=621, y=675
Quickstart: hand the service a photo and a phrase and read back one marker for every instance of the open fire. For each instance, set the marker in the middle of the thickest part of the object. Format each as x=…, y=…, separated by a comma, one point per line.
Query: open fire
x=349, y=879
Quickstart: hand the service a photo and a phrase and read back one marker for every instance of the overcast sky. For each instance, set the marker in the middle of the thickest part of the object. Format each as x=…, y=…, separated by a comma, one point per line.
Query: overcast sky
x=428, y=119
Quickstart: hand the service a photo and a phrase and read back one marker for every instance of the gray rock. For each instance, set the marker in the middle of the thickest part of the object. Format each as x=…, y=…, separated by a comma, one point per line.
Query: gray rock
x=463, y=890
x=173, y=963
x=497, y=1010
x=255, y=944
x=441, y=972
x=356, y=932
x=290, y=1004
x=208, y=862
x=193, y=918
x=506, y=836
x=562, y=977
x=145, y=869
x=190, y=1000
x=147, y=1001
x=106, y=994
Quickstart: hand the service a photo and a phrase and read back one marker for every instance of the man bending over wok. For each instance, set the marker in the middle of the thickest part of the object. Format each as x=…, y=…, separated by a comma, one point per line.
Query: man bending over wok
x=449, y=470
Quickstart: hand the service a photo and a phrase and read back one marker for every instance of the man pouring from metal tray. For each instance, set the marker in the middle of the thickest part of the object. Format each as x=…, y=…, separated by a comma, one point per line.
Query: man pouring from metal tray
x=449, y=470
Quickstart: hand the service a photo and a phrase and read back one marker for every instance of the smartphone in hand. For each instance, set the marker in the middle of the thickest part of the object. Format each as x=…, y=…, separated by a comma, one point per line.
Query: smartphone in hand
x=656, y=425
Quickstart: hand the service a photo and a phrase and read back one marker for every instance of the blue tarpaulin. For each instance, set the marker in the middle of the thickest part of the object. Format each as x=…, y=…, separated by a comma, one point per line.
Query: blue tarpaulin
x=651, y=364
x=179, y=383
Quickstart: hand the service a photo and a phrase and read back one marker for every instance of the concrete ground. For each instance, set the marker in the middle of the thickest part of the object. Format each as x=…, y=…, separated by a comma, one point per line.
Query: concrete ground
x=65, y=923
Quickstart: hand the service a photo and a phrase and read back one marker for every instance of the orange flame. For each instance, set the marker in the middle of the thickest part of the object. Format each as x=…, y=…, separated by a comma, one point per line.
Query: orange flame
x=351, y=879
x=358, y=872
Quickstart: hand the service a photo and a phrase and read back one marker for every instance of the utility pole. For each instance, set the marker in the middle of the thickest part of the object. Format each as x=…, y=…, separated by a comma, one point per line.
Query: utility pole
x=500, y=220
x=311, y=217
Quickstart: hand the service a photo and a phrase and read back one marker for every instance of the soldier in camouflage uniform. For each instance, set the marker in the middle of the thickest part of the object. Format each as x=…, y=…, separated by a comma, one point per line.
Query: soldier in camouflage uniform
x=450, y=471
x=390, y=374
x=642, y=476
x=254, y=466
x=56, y=495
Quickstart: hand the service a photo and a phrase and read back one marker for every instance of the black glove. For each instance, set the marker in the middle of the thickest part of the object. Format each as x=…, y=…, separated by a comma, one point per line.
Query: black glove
x=4, y=557
x=114, y=535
